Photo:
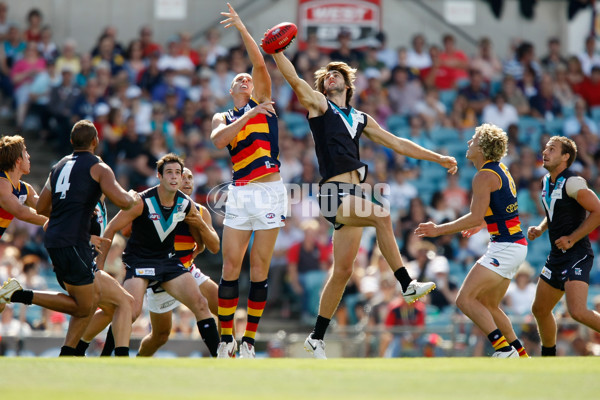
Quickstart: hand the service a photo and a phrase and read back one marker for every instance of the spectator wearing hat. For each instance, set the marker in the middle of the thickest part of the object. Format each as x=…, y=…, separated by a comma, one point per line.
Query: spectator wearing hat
x=521, y=291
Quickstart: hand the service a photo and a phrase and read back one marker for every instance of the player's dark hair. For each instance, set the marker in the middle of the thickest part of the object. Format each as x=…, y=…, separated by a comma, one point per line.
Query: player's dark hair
x=347, y=72
x=11, y=148
x=167, y=159
x=83, y=134
x=568, y=146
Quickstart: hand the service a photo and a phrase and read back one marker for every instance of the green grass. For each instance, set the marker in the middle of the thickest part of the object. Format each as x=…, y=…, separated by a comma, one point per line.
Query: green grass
x=282, y=379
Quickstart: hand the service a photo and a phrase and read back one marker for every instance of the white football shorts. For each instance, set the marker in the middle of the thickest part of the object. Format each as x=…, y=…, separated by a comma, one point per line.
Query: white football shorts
x=256, y=206
x=163, y=302
x=504, y=258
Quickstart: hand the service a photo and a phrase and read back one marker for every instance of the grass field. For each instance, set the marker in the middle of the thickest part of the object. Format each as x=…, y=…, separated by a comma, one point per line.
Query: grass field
x=404, y=378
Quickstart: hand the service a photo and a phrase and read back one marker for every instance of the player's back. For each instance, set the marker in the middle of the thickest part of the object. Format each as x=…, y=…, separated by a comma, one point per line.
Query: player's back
x=153, y=232
x=502, y=215
x=74, y=196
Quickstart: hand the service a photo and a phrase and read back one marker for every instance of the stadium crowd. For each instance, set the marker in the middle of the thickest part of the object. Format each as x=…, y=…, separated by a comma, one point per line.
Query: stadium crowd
x=147, y=99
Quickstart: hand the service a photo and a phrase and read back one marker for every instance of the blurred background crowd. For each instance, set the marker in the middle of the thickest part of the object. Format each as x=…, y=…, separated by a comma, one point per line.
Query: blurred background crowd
x=148, y=98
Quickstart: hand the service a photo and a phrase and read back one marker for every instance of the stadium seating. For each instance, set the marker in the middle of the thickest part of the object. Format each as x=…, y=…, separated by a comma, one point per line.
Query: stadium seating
x=296, y=123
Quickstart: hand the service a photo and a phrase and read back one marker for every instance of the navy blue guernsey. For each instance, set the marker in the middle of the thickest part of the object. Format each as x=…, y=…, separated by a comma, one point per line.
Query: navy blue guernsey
x=336, y=134
x=564, y=214
x=153, y=232
x=74, y=197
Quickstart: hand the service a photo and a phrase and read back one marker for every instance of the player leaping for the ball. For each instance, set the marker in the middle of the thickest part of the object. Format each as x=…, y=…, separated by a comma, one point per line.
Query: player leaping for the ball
x=336, y=128
x=257, y=199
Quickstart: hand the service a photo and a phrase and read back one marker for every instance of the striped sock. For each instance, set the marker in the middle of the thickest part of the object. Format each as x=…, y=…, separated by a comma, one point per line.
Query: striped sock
x=229, y=293
x=519, y=346
x=257, y=298
x=498, y=341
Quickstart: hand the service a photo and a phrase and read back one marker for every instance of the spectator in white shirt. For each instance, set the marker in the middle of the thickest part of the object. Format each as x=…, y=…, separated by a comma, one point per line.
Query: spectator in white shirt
x=589, y=57
x=418, y=56
x=500, y=113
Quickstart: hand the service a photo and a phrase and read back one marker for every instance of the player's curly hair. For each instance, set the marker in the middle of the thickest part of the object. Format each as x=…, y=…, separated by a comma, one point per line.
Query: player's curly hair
x=568, y=146
x=347, y=72
x=168, y=159
x=493, y=141
x=11, y=148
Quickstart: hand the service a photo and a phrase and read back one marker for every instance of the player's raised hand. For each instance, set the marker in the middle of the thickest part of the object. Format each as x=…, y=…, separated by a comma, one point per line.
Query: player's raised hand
x=534, y=232
x=450, y=164
x=233, y=19
x=427, y=229
x=264, y=108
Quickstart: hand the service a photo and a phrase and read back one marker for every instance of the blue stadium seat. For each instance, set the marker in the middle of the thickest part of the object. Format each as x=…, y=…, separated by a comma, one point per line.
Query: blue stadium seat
x=396, y=122
x=296, y=123
x=442, y=136
x=447, y=97
x=595, y=114
x=555, y=127
x=495, y=87
x=568, y=111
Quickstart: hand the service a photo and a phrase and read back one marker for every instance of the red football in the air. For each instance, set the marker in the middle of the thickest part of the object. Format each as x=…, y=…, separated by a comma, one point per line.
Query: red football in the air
x=279, y=37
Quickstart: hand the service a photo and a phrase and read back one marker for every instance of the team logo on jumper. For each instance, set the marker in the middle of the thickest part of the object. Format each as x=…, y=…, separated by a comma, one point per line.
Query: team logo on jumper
x=495, y=262
x=270, y=216
x=22, y=198
x=154, y=216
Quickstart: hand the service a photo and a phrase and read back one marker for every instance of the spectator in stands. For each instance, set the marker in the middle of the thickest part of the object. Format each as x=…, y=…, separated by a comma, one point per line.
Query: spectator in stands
x=545, y=105
x=215, y=49
x=186, y=49
x=48, y=49
x=551, y=61
x=221, y=82
x=4, y=25
x=500, y=113
x=456, y=197
x=135, y=63
x=521, y=291
x=168, y=86
x=88, y=99
x=575, y=75
x=529, y=83
x=524, y=57
x=10, y=325
x=404, y=93
x=418, y=57
x=182, y=65
x=107, y=53
x=62, y=102
x=431, y=109
x=589, y=57
x=384, y=54
x=68, y=57
x=486, y=61
x=308, y=262
x=573, y=124
x=590, y=88
x=33, y=33
x=370, y=63
x=514, y=95
x=22, y=74
x=401, y=314
x=87, y=70
x=562, y=89
x=454, y=59
x=462, y=116
x=14, y=46
x=476, y=92
x=345, y=52
x=438, y=75
x=149, y=46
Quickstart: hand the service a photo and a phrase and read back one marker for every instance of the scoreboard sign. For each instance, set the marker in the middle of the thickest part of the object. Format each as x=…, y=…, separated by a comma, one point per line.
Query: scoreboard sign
x=327, y=18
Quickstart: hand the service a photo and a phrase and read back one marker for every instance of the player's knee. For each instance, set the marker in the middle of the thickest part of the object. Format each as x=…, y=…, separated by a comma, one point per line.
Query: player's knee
x=578, y=313
x=538, y=309
x=343, y=270
x=462, y=301
x=161, y=337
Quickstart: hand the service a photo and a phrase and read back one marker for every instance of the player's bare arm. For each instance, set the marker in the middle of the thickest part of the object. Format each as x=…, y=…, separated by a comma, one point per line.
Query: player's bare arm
x=534, y=232
x=222, y=134
x=260, y=74
x=10, y=203
x=314, y=102
x=120, y=221
x=32, y=196
x=205, y=234
x=102, y=174
x=44, y=203
x=484, y=183
x=588, y=200
x=405, y=147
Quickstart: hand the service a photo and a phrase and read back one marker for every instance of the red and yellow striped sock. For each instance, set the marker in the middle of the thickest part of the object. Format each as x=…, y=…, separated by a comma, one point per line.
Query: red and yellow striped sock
x=498, y=340
x=228, y=301
x=257, y=298
x=519, y=346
